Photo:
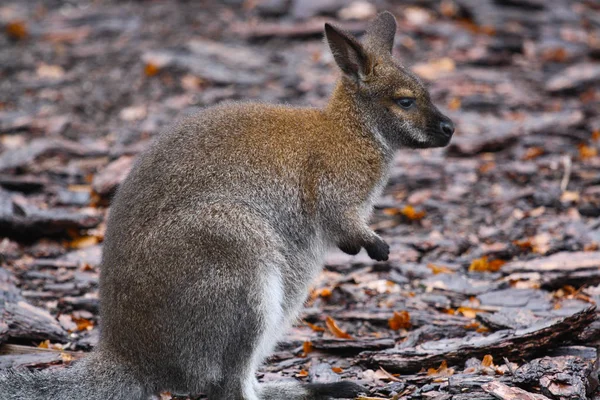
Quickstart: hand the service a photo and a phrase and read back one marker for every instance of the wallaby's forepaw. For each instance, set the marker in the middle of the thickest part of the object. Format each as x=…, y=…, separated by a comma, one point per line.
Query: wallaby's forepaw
x=337, y=390
x=378, y=250
x=350, y=248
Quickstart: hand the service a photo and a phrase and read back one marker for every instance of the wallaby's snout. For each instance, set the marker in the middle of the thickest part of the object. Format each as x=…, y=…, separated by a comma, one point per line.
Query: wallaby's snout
x=393, y=102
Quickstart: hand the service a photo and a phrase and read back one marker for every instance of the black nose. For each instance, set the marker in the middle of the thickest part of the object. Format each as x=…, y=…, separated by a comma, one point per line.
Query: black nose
x=447, y=128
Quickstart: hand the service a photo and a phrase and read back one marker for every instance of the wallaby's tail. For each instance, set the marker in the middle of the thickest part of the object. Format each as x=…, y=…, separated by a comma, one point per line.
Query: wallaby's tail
x=310, y=391
x=92, y=378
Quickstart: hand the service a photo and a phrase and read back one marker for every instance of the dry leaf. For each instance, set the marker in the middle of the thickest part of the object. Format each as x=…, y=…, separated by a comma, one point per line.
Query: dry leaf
x=443, y=370
x=484, y=265
x=306, y=347
x=434, y=69
x=303, y=373
x=337, y=370
x=533, y=152
x=83, y=324
x=586, y=152
x=314, y=327
x=454, y=104
x=17, y=30
x=473, y=325
x=488, y=361
x=437, y=269
x=468, y=311
x=335, y=330
x=83, y=242
x=569, y=197
x=326, y=292
x=50, y=71
x=66, y=357
x=44, y=345
x=410, y=213
x=400, y=320
x=151, y=69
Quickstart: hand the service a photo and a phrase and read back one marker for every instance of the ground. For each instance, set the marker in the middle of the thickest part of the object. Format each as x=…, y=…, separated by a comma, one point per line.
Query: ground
x=494, y=272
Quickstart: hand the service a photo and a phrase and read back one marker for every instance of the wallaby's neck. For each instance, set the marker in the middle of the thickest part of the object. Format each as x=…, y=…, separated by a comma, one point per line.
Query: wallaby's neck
x=343, y=109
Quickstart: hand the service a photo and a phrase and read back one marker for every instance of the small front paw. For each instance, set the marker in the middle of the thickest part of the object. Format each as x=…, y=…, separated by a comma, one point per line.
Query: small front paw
x=378, y=250
x=349, y=248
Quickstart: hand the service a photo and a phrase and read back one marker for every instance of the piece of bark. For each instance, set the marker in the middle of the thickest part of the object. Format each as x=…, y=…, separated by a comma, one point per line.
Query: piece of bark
x=33, y=360
x=351, y=345
x=377, y=316
x=39, y=147
x=566, y=377
x=19, y=319
x=106, y=181
x=23, y=183
x=513, y=343
x=557, y=270
x=19, y=219
x=574, y=77
x=505, y=392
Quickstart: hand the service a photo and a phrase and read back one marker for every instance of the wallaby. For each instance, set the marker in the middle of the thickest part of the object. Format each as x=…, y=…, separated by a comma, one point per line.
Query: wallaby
x=213, y=239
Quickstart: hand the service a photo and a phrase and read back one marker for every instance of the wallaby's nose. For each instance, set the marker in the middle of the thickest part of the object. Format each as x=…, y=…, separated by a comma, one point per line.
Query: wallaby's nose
x=447, y=128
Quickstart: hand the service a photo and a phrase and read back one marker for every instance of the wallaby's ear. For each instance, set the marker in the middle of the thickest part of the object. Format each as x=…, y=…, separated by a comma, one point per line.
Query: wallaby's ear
x=380, y=33
x=348, y=53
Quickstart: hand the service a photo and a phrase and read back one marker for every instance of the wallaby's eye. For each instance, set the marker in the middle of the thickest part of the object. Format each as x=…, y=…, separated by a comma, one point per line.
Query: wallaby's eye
x=405, y=102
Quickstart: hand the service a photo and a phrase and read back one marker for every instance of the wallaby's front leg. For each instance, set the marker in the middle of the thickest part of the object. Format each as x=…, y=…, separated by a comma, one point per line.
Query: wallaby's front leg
x=354, y=234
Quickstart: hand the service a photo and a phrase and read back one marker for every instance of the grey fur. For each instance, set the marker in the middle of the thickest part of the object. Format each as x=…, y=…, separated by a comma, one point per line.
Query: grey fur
x=215, y=236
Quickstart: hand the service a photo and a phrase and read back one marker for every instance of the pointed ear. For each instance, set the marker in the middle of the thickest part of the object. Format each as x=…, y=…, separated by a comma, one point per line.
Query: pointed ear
x=381, y=32
x=348, y=53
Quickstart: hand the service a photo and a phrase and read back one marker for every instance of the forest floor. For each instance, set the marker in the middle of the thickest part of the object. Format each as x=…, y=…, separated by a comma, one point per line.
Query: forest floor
x=494, y=274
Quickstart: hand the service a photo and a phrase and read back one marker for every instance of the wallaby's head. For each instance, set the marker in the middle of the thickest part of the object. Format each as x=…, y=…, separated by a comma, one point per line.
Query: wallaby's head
x=390, y=99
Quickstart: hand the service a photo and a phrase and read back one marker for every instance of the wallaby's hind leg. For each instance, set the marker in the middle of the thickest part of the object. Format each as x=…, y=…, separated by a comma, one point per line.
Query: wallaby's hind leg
x=241, y=357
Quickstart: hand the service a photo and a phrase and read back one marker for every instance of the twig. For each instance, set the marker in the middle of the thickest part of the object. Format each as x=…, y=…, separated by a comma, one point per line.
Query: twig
x=566, y=160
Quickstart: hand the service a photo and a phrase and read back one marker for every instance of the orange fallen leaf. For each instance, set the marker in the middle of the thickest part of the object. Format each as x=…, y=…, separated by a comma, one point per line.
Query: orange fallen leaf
x=17, y=30
x=596, y=135
x=454, y=104
x=524, y=244
x=488, y=166
x=337, y=370
x=44, y=345
x=438, y=269
x=151, y=69
x=533, y=152
x=303, y=373
x=409, y=212
x=307, y=347
x=326, y=292
x=66, y=357
x=400, y=320
x=468, y=311
x=443, y=370
x=556, y=55
x=484, y=265
x=472, y=325
x=586, y=152
x=83, y=324
x=83, y=242
x=314, y=327
x=335, y=330
x=488, y=361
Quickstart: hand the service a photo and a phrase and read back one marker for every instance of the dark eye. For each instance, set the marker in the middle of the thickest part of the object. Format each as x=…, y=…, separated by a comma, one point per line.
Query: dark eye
x=405, y=102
